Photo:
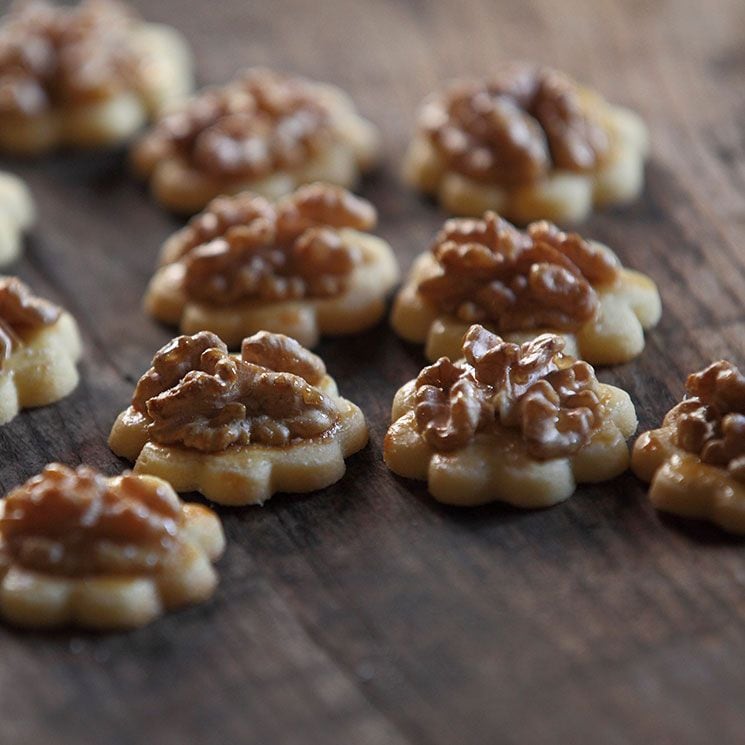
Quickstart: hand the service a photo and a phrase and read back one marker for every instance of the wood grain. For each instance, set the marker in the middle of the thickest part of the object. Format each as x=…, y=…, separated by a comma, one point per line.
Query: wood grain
x=366, y=613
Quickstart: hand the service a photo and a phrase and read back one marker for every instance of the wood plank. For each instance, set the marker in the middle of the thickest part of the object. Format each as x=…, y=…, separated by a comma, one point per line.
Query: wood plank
x=367, y=613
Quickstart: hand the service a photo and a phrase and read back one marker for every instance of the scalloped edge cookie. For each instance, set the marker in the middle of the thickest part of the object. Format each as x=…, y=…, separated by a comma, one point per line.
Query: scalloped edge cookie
x=681, y=484
x=114, y=120
x=614, y=337
x=498, y=468
x=247, y=474
x=360, y=306
x=179, y=187
x=34, y=599
x=43, y=370
x=563, y=196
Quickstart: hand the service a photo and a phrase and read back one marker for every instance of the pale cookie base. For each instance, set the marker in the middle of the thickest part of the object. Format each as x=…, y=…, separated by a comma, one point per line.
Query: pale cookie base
x=109, y=602
x=627, y=308
x=113, y=120
x=361, y=306
x=681, y=484
x=43, y=370
x=180, y=187
x=17, y=214
x=497, y=467
x=561, y=197
x=170, y=65
x=248, y=474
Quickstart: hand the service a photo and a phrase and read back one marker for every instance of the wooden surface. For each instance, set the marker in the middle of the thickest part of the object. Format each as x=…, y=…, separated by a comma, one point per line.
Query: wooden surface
x=366, y=613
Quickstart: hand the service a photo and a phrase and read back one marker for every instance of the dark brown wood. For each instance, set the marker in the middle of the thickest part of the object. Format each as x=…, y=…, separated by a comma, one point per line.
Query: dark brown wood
x=366, y=613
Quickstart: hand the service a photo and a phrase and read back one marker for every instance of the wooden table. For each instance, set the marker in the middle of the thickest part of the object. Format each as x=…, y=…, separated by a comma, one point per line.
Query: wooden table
x=366, y=613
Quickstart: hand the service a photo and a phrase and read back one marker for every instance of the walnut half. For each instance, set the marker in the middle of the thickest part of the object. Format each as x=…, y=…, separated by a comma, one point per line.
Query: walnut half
x=710, y=421
x=199, y=396
x=549, y=397
x=52, y=56
x=249, y=128
x=517, y=280
x=75, y=522
x=245, y=247
x=514, y=128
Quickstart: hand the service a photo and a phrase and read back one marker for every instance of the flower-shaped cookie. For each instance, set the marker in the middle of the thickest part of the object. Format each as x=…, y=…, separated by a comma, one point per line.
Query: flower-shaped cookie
x=77, y=548
x=16, y=216
x=521, y=424
x=262, y=132
x=530, y=144
x=695, y=462
x=520, y=284
x=39, y=346
x=301, y=266
x=239, y=428
x=84, y=76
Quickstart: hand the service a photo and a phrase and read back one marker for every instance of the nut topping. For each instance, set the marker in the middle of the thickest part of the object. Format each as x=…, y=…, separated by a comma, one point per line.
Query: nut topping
x=244, y=247
x=78, y=522
x=515, y=128
x=52, y=56
x=171, y=363
x=540, y=278
x=21, y=311
x=283, y=354
x=249, y=128
x=710, y=421
x=199, y=396
x=532, y=387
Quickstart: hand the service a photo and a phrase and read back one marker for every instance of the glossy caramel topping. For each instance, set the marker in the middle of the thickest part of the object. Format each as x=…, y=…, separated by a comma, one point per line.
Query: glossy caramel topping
x=514, y=128
x=245, y=247
x=254, y=126
x=517, y=280
x=199, y=396
x=550, y=398
x=78, y=522
x=53, y=56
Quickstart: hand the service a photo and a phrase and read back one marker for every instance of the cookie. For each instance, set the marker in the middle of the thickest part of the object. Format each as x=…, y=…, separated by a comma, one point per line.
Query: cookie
x=523, y=283
x=80, y=549
x=90, y=75
x=529, y=143
x=263, y=132
x=239, y=428
x=522, y=424
x=39, y=347
x=17, y=214
x=695, y=462
x=305, y=265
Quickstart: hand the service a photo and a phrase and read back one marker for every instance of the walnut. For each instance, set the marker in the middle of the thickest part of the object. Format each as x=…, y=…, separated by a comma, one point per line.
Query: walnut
x=198, y=396
x=532, y=387
x=710, y=421
x=249, y=128
x=541, y=278
x=51, y=56
x=510, y=369
x=21, y=311
x=721, y=385
x=171, y=363
x=78, y=522
x=450, y=408
x=220, y=215
x=596, y=265
x=244, y=247
x=323, y=204
x=283, y=354
x=515, y=128
x=560, y=413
